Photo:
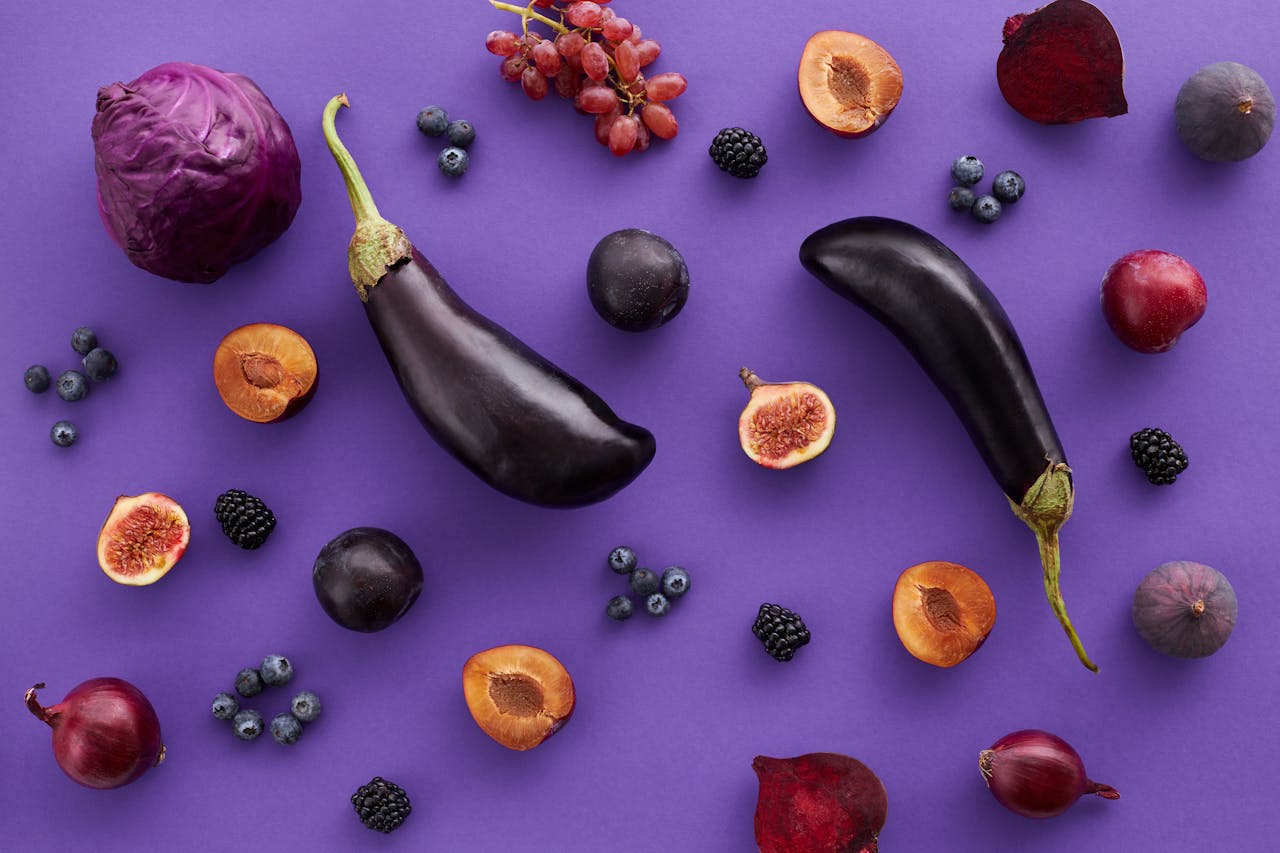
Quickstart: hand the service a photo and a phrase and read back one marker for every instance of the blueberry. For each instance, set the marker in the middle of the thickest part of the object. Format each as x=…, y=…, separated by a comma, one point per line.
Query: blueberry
x=622, y=560
x=461, y=133
x=248, y=683
x=675, y=582
x=83, y=340
x=36, y=378
x=248, y=724
x=276, y=670
x=1008, y=187
x=72, y=385
x=620, y=608
x=64, y=433
x=453, y=162
x=433, y=121
x=100, y=364
x=967, y=170
x=225, y=706
x=645, y=582
x=306, y=706
x=960, y=198
x=986, y=209
x=286, y=729
x=657, y=604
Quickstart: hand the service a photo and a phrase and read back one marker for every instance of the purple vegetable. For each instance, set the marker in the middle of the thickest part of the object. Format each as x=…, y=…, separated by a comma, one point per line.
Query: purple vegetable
x=196, y=170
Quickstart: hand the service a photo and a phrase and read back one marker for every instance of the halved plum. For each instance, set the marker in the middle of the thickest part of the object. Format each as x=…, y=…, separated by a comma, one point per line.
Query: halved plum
x=848, y=83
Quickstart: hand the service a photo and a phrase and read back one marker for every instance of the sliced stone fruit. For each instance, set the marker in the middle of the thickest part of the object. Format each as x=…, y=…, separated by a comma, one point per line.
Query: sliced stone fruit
x=143, y=538
x=265, y=372
x=848, y=83
x=784, y=423
x=518, y=695
x=942, y=612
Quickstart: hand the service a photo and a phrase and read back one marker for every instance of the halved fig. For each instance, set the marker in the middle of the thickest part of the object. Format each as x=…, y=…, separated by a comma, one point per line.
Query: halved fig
x=143, y=537
x=942, y=612
x=848, y=83
x=518, y=695
x=784, y=423
x=265, y=372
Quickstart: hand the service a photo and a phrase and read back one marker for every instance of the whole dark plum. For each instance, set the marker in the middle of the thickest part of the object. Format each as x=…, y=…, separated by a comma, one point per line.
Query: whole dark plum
x=636, y=280
x=366, y=578
x=1225, y=112
x=1185, y=609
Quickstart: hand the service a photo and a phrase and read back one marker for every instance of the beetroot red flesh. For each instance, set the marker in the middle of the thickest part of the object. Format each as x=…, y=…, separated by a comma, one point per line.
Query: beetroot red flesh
x=1062, y=64
x=818, y=803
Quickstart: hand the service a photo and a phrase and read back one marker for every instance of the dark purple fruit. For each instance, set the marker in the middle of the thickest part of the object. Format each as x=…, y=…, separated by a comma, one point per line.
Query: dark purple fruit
x=1225, y=112
x=366, y=578
x=636, y=280
x=1185, y=609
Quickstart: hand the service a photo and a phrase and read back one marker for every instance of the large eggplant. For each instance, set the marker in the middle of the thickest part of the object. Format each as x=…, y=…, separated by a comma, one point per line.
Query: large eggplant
x=523, y=425
x=962, y=337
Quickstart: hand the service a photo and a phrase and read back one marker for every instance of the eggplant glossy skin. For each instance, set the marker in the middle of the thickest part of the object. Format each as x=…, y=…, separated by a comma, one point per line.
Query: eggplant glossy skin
x=520, y=423
x=957, y=331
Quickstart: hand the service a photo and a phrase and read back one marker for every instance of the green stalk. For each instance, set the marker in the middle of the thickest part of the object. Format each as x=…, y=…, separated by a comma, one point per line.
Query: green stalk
x=526, y=12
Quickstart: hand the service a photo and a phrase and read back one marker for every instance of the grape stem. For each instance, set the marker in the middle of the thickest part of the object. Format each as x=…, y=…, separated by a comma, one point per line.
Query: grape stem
x=526, y=12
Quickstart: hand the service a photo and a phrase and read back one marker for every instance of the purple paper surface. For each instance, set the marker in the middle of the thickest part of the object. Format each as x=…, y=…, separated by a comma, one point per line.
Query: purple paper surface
x=670, y=712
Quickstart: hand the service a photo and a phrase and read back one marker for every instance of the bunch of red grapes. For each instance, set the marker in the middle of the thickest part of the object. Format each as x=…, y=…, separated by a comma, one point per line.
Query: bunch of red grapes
x=594, y=59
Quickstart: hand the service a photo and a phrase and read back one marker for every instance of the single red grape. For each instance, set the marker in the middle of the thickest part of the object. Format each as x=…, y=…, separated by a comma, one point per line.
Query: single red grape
x=598, y=99
x=512, y=67
x=533, y=83
x=660, y=120
x=594, y=61
x=547, y=59
x=615, y=29
x=666, y=87
x=648, y=50
x=501, y=43
x=570, y=43
x=627, y=60
x=583, y=14
x=622, y=136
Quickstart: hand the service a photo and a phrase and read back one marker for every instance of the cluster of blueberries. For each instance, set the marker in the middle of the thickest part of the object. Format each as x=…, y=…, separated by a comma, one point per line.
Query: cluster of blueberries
x=657, y=591
x=73, y=385
x=286, y=728
x=1006, y=188
x=454, y=159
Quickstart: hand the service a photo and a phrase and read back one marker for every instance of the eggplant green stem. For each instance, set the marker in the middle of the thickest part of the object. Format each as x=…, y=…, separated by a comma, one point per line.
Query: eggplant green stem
x=1045, y=508
x=377, y=245
x=526, y=12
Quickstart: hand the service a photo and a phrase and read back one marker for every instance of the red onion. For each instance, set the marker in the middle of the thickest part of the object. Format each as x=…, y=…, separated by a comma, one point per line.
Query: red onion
x=1037, y=774
x=105, y=732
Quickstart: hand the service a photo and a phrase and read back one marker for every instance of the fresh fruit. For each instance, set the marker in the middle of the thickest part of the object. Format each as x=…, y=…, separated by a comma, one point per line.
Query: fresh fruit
x=781, y=631
x=1185, y=609
x=105, y=732
x=960, y=198
x=636, y=280
x=657, y=604
x=1225, y=112
x=622, y=560
x=1149, y=298
x=942, y=612
x=518, y=695
x=245, y=519
x=675, y=582
x=248, y=724
x=1160, y=457
x=276, y=670
x=453, y=161
x=64, y=433
x=285, y=729
x=72, y=386
x=645, y=582
x=737, y=151
x=784, y=423
x=1062, y=63
x=264, y=372
x=967, y=170
x=366, y=578
x=619, y=608
x=849, y=84
x=225, y=706
x=1037, y=774
x=37, y=379
x=822, y=802
x=99, y=364
x=305, y=705
x=462, y=133
x=381, y=805
x=249, y=682
x=143, y=537
x=433, y=121
x=83, y=340
x=986, y=209
x=1008, y=187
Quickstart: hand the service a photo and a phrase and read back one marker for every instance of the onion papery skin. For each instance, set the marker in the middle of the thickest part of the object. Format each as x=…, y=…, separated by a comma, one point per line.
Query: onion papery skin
x=1037, y=774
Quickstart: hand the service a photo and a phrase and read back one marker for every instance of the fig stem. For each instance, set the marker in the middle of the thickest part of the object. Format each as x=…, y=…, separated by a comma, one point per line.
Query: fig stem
x=750, y=379
x=1101, y=790
x=1197, y=609
x=526, y=12
x=34, y=706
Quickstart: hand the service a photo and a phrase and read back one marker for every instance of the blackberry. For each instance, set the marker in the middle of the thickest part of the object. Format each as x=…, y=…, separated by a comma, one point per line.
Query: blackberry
x=461, y=133
x=276, y=670
x=248, y=683
x=960, y=198
x=306, y=706
x=781, y=631
x=248, y=724
x=433, y=121
x=1158, y=455
x=675, y=582
x=286, y=729
x=622, y=560
x=37, y=379
x=64, y=433
x=1008, y=187
x=225, y=706
x=645, y=582
x=657, y=604
x=381, y=805
x=986, y=209
x=83, y=340
x=739, y=152
x=244, y=518
x=72, y=385
x=967, y=170
x=100, y=364
x=619, y=608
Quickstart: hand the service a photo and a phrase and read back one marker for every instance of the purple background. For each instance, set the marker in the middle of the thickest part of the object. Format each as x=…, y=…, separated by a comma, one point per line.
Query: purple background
x=671, y=712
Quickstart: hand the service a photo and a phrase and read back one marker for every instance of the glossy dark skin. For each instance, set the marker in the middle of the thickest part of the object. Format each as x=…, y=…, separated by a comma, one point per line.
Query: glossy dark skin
x=955, y=328
x=519, y=422
x=366, y=578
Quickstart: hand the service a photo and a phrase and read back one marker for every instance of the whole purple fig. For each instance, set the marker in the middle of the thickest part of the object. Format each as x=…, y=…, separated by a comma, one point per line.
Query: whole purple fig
x=1185, y=609
x=1225, y=112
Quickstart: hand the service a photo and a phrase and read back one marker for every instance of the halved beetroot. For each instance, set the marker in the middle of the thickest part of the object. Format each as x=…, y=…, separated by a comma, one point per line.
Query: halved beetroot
x=143, y=538
x=848, y=83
